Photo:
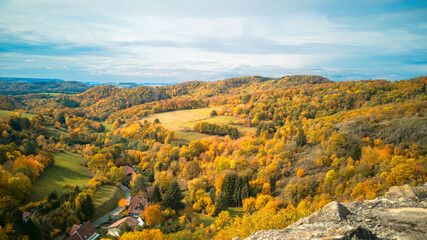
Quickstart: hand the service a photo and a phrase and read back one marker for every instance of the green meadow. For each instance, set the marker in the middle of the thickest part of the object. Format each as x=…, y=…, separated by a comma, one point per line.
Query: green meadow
x=5, y=113
x=66, y=170
x=108, y=127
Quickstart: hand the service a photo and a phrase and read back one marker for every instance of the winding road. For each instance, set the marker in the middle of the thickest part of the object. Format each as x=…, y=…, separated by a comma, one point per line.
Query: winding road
x=116, y=211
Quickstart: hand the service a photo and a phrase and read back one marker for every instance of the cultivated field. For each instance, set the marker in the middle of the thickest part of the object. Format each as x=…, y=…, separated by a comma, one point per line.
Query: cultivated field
x=178, y=120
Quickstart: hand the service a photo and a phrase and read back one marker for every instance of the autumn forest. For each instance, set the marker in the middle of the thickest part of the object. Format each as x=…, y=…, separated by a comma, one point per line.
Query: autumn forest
x=259, y=154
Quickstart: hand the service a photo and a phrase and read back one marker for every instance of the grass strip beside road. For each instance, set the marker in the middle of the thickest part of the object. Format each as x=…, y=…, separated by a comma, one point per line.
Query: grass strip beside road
x=106, y=198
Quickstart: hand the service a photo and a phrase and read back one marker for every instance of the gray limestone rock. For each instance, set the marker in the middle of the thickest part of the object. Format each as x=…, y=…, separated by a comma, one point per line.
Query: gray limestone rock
x=401, y=215
x=332, y=212
x=401, y=193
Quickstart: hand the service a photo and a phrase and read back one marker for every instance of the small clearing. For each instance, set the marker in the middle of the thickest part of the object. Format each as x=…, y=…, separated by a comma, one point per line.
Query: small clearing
x=108, y=127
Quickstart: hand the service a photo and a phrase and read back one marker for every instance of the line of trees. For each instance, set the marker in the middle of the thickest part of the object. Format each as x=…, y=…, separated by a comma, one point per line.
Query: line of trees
x=216, y=129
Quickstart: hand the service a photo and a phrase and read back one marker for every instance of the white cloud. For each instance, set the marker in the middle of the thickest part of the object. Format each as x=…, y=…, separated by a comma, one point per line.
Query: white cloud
x=180, y=39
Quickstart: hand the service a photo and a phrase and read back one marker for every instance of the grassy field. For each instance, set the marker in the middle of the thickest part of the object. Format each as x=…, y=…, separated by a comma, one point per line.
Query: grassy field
x=4, y=113
x=106, y=199
x=206, y=219
x=235, y=212
x=178, y=120
x=108, y=127
x=66, y=170
x=51, y=131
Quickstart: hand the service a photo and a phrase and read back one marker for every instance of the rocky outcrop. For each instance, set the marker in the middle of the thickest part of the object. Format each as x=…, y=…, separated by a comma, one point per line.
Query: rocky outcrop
x=400, y=214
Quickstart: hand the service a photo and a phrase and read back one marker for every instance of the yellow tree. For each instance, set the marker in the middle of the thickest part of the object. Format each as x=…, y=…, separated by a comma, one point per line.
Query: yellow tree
x=152, y=234
x=20, y=186
x=249, y=204
x=99, y=161
x=223, y=220
x=117, y=174
x=23, y=161
x=300, y=173
x=122, y=202
x=261, y=201
x=400, y=174
x=152, y=215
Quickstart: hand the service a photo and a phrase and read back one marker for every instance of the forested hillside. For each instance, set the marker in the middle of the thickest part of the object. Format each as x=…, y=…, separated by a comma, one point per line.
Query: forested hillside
x=315, y=141
x=42, y=86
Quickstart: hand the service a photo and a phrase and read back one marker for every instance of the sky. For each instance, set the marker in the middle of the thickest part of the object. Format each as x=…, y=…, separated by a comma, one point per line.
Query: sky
x=176, y=41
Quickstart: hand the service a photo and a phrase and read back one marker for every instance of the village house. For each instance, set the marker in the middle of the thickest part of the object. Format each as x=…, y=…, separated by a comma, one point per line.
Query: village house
x=114, y=229
x=137, y=206
x=26, y=216
x=149, y=190
x=84, y=231
x=129, y=171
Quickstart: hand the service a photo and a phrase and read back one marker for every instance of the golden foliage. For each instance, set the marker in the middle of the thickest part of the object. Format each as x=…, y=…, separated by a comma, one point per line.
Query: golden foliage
x=151, y=234
x=261, y=220
x=223, y=220
x=152, y=215
x=300, y=173
x=123, y=202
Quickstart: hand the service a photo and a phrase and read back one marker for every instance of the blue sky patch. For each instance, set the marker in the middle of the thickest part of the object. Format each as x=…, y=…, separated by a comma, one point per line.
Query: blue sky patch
x=176, y=41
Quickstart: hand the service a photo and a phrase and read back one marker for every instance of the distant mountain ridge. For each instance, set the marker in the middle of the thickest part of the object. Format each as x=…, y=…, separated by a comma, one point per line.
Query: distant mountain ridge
x=19, y=87
x=29, y=80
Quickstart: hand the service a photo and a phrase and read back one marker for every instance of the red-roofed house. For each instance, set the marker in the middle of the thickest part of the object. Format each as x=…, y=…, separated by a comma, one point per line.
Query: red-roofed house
x=129, y=171
x=84, y=231
x=26, y=215
x=150, y=190
x=137, y=206
x=114, y=229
